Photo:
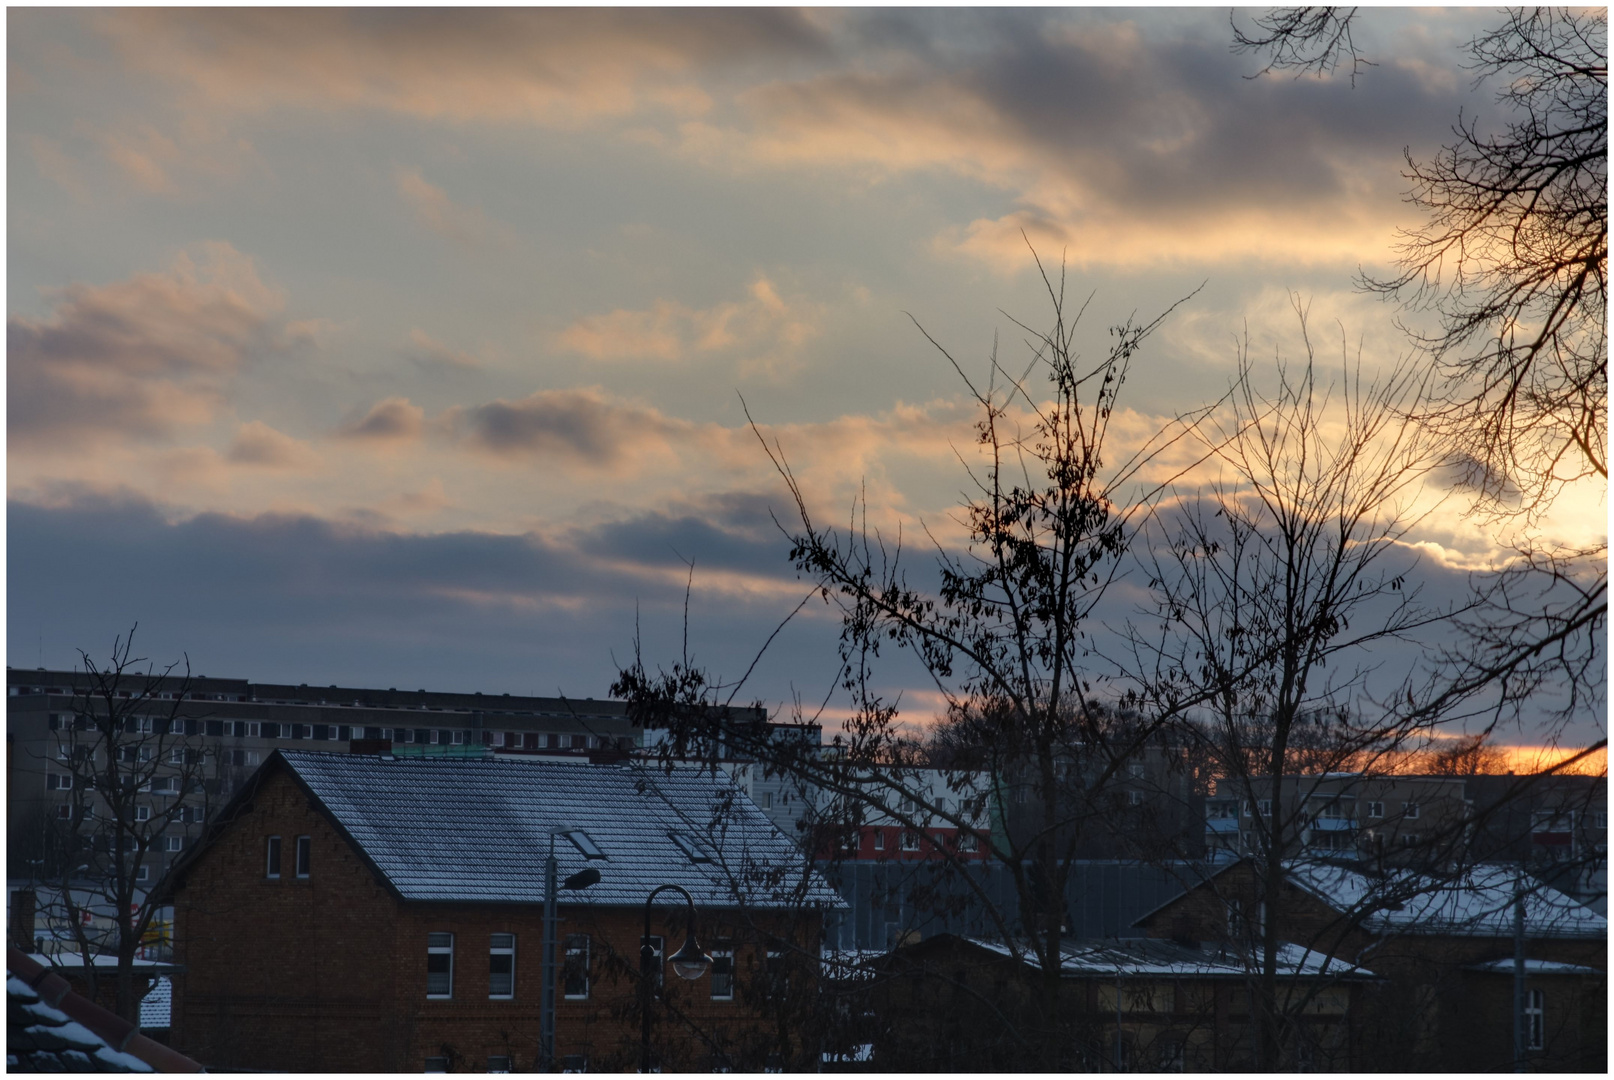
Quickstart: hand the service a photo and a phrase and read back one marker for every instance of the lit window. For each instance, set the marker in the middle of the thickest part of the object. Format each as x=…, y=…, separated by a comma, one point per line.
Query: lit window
x=502, y=966
x=273, y=869
x=1535, y=1016
x=439, y=965
x=305, y=854
x=577, y=967
x=581, y=841
x=723, y=975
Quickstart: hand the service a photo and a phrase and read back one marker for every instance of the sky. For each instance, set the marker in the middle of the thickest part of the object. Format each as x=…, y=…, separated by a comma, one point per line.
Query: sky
x=414, y=348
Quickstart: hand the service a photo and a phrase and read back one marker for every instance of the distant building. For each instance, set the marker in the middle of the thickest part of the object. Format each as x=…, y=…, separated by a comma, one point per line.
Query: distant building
x=240, y=723
x=374, y=913
x=1445, y=947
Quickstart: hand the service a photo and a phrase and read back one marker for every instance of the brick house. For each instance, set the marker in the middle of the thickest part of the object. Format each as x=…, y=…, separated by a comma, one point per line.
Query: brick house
x=1444, y=949
x=380, y=914
x=956, y=1004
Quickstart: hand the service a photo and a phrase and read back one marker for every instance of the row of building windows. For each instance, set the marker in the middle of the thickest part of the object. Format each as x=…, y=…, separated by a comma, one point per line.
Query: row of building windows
x=575, y=973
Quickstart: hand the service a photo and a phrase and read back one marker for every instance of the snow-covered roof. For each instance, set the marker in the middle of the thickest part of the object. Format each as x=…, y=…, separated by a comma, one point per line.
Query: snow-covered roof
x=40, y=1038
x=1139, y=957
x=457, y=830
x=1535, y=967
x=1479, y=903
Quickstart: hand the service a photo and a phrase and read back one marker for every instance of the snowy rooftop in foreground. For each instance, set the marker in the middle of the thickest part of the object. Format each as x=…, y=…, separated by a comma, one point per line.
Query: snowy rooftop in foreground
x=1150, y=956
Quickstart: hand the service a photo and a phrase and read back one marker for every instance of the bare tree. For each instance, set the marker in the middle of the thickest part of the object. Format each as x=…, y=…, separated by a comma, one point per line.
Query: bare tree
x=137, y=775
x=1302, y=39
x=1278, y=587
x=1002, y=629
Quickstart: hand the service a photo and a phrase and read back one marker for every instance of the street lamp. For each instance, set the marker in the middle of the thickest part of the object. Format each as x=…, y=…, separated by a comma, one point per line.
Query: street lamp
x=580, y=880
x=689, y=962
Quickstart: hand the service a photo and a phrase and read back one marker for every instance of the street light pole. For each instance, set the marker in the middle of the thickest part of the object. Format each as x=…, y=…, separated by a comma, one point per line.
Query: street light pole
x=580, y=880
x=689, y=962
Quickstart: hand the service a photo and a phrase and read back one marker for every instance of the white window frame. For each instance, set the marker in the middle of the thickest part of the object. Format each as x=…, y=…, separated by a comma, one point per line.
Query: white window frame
x=303, y=853
x=173, y=843
x=723, y=954
x=1410, y=811
x=142, y=813
x=502, y=944
x=1265, y=806
x=439, y=944
x=1535, y=1019
x=910, y=840
x=572, y=948
x=969, y=841
x=142, y=873
x=879, y=839
x=271, y=858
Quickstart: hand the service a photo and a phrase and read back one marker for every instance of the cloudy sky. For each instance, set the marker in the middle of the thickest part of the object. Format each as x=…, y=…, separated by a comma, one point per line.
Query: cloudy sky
x=409, y=347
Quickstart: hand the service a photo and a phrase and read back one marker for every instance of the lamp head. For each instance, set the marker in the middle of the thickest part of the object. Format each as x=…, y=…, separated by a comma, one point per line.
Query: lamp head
x=582, y=879
x=690, y=962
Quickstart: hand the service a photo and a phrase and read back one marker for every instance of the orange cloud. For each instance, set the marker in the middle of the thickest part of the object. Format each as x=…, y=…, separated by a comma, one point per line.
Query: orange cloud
x=260, y=445
x=765, y=328
x=465, y=225
x=139, y=357
x=392, y=419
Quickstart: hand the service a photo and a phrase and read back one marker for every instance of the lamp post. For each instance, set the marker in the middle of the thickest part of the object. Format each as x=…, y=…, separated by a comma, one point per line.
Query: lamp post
x=580, y=880
x=689, y=962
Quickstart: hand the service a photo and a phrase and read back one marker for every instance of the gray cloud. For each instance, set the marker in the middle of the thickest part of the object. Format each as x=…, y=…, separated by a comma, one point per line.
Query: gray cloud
x=392, y=419
x=139, y=357
x=581, y=425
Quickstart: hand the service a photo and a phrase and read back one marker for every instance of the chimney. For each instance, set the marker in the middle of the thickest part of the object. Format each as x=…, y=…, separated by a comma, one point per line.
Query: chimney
x=22, y=919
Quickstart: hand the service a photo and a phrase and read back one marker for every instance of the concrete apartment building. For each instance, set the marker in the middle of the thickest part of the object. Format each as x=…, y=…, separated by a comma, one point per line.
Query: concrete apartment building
x=237, y=724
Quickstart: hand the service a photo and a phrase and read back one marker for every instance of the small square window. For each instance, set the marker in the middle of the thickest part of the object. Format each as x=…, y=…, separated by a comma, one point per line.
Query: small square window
x=305, y=855
x=968, y=841
x=581, y=841
x=1375, y=809
x=142, y=813
x=142, y=873
x=1134, y=798
x=1410, y=811
x=173, y=843
x=910, y=840
x=273, y=866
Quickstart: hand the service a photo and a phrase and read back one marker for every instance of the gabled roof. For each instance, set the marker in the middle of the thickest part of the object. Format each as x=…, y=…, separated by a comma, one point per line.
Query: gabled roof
x=1140, y=957
x=1478, y=903
x=478, y=831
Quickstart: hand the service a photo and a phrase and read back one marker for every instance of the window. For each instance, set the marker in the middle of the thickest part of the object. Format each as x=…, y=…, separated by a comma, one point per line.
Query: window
x=305, y=854
x=167, y=785
x=1266, y=807
x=778, y=979
x=173, y=843
x=1599, y=819
x=655, y=943
x=498, y=1063
x=581, y=841
x=498, y=738
x=1134, y=798
x=767, y=800
x=576, y=986
x=64, y=812
x=1535, y=1015
x=58, y=783
x=1410, y=811
x=1135, y=770
x=142, y=872
x=266, y=729
x=142, y=813
x=1375, y=809
x=1410, y=839
x=722, y=974
x=879, y=839
x=502, y=966
x=692, y=848
x=273, y=867
x=910, y=840
x=439, y=965
x=968, y=841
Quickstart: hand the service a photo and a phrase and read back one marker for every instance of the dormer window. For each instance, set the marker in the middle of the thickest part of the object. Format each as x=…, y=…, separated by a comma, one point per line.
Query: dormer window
x=693, y=850
x=588, y=847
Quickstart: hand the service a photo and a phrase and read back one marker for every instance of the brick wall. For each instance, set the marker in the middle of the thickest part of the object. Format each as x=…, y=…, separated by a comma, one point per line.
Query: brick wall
x=328, y=973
